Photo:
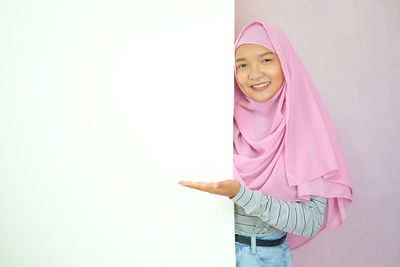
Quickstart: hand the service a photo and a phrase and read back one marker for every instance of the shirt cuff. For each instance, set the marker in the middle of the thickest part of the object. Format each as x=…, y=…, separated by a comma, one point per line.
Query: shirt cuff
x=243, y=196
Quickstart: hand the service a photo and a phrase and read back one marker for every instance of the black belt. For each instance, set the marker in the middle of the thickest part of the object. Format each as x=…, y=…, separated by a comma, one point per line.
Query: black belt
x=259, y=242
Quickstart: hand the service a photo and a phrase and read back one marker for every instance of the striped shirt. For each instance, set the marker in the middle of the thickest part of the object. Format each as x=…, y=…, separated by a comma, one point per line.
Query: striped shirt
x=260, y=214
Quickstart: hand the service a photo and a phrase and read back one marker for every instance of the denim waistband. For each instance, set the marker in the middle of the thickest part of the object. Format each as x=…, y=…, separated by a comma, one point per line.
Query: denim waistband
x=266, y=236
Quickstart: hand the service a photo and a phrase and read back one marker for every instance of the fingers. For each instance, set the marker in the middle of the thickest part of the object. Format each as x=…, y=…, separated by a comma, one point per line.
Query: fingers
x=224, y=188
x=203, y=186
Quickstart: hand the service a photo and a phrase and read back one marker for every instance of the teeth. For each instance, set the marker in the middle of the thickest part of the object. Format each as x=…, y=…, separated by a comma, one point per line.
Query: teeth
x=261, y=85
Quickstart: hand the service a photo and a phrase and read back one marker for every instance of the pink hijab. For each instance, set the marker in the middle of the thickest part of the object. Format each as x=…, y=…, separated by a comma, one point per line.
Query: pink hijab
x=287, y=146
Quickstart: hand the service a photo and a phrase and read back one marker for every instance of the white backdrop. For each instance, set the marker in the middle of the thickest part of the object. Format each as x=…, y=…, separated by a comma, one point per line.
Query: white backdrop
x=104, y=106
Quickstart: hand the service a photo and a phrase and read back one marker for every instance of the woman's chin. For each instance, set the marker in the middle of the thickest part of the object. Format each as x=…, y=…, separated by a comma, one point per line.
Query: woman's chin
x=265, y=96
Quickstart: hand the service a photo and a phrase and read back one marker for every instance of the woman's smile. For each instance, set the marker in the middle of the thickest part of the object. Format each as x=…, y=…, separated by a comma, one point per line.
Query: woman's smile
x=260, y=86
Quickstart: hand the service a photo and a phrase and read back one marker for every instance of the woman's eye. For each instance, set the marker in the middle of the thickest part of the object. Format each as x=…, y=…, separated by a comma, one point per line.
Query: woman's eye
x=241, y=66
x=267, y=59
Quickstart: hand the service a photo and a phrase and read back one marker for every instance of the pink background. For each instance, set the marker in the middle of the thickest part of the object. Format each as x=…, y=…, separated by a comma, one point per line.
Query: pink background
x=350, y=49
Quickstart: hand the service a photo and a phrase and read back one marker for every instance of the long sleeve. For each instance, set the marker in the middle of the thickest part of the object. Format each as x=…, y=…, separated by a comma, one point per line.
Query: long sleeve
x=300, y=218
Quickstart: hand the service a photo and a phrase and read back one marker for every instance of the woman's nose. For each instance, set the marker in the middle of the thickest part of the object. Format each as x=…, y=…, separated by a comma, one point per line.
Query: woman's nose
x=255, y=74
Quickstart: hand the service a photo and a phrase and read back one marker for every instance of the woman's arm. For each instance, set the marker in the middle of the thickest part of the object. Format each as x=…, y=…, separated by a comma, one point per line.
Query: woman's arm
x=300, y=218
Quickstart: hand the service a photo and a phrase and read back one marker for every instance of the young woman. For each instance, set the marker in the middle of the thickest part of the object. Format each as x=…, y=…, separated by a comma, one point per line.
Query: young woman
x=290, y=176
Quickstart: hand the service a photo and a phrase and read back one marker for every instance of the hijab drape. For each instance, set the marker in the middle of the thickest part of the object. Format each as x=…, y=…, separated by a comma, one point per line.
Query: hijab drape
x=287, y=146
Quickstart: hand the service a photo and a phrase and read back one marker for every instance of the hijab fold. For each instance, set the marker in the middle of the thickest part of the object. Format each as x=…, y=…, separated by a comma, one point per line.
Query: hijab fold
x=287, y=146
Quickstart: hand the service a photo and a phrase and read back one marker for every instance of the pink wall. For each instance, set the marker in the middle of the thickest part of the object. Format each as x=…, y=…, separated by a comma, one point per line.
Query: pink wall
x=351, y=50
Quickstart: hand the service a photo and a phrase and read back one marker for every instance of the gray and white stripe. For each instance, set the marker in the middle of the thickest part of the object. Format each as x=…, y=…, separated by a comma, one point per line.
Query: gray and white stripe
x=257, y=213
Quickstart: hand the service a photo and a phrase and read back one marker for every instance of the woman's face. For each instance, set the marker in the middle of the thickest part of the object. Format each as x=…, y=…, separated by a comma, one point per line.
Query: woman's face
x=258, y=71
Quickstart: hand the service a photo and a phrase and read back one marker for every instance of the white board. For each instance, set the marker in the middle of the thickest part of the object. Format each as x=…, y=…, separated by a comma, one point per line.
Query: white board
x=105, y=105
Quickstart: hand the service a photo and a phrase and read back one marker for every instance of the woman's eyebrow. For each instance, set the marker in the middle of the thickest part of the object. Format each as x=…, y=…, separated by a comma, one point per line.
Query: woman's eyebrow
x=261, y=55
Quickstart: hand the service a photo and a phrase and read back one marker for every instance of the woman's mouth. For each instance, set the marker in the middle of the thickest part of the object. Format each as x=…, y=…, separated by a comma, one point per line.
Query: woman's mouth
x=260, y=86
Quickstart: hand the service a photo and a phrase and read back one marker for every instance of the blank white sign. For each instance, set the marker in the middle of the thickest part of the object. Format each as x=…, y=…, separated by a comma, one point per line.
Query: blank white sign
x=104, y=106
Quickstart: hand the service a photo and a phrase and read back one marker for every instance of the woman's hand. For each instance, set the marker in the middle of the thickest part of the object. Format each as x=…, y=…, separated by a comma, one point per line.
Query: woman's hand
x=228, y=188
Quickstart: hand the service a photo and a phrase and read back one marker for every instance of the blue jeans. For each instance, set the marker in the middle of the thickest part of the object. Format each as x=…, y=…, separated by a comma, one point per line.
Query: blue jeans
x=256, y=256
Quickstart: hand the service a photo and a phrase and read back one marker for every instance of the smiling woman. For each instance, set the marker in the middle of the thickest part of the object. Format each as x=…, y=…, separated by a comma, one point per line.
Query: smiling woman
x=290, y=177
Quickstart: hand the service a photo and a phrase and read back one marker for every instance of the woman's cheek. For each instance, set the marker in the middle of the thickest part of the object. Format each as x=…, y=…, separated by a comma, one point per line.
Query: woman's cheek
x=241, y=81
